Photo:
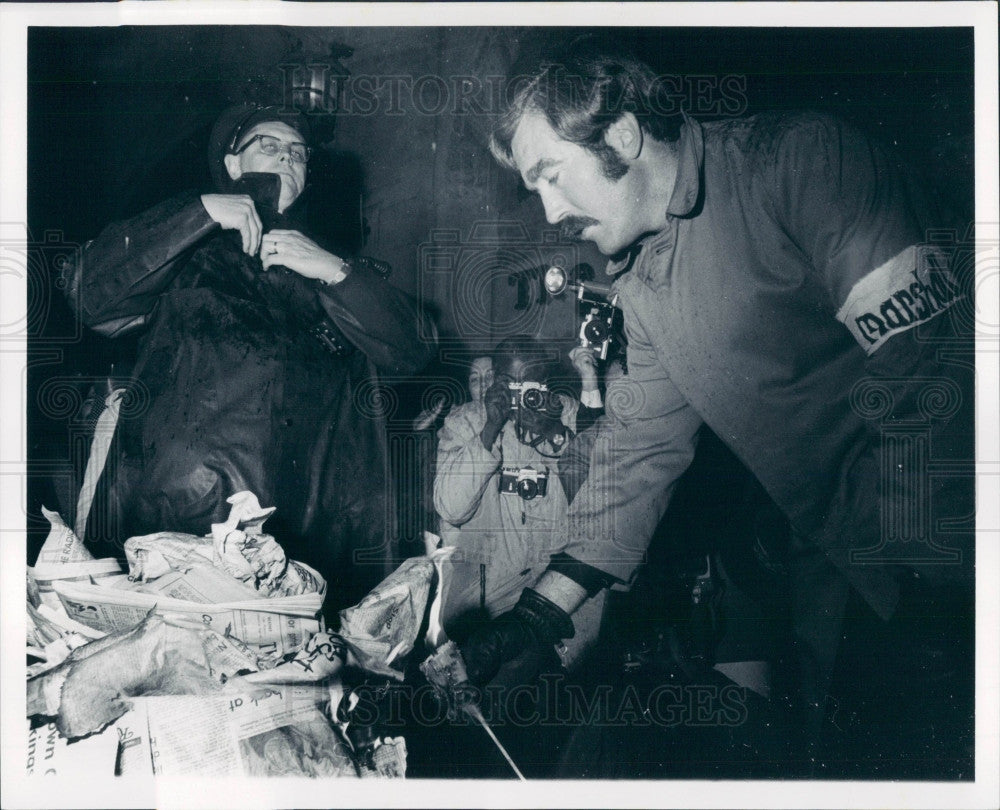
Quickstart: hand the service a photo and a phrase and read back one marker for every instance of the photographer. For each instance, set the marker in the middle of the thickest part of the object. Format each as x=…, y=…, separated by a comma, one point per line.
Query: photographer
x=500, y=498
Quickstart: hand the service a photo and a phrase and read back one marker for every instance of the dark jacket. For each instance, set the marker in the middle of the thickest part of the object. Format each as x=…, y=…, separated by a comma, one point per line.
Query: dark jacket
x=249, y=380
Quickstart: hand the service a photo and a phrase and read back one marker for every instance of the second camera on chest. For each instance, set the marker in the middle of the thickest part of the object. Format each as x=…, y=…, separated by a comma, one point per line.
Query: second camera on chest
x=527, y=482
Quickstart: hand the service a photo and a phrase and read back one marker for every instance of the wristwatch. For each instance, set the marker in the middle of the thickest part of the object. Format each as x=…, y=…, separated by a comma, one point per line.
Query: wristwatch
x=345, y=268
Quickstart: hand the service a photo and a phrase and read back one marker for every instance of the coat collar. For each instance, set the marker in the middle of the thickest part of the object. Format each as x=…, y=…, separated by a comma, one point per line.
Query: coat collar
x=683, y=199
x=690, y=159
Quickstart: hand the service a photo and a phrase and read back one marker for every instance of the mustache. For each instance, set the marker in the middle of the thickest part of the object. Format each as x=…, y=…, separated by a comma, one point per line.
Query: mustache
x=572, y=227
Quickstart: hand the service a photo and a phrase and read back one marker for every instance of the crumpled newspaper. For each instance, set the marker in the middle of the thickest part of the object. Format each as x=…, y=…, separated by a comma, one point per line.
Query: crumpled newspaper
x=321, y=658
x=445, y=668
x=239, y=548
x=274, y=731
x=95, y=683
x=64, y=557
x=49, y=638
x=64, y=554
x=381, y=630
x=445, y=671
x=386, y=760
x=377, y=633
x=50, y=633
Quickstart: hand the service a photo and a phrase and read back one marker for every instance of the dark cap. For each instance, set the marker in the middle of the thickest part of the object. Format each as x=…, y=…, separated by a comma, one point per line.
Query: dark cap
x=239, y=119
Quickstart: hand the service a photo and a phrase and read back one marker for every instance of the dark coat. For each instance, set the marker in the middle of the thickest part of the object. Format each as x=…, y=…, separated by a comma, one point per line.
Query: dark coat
x=249, y=380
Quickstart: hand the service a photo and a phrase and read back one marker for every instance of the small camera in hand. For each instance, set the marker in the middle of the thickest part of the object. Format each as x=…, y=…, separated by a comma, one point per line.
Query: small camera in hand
x=597, y=308
x=527, y=482
x=534, y=396
x=596, y=330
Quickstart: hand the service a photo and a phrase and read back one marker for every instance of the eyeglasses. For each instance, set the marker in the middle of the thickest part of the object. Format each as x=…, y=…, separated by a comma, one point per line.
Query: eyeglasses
x=272, y=146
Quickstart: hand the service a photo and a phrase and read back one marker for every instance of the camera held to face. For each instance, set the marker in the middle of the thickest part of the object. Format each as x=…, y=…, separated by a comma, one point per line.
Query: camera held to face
x=527, y=482
x=534, y=396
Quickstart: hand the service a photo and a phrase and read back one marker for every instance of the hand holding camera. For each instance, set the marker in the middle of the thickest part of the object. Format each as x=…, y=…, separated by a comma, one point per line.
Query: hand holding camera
x=597, y=310
x=498, y=408
x=585, y=363
x=534, y=397
x=597, y=327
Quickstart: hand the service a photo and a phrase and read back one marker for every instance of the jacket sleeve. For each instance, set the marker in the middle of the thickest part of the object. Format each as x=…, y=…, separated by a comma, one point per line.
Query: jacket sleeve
x=643, y=444
x=868, y=228
x=587, y=416
x=574, y=463
x=114, y=282
x=384, y=323
x=898, y=277
x=900, y=282
x=464, y=467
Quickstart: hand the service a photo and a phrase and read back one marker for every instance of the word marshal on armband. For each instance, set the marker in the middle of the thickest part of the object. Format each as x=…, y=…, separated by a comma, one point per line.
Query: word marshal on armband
x=909, y=289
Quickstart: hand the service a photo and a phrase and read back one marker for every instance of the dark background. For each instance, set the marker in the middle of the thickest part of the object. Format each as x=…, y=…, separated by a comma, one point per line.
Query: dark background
x=118, y=119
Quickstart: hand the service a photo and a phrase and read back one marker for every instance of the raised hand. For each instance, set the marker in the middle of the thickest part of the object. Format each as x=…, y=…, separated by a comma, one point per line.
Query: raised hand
x=497, y=403
x=585, y=363
x=236, y=212
x=302, y=255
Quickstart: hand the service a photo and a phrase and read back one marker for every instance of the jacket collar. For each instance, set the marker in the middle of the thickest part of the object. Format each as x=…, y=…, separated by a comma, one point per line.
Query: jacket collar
x=690, y=159
x=683, y=199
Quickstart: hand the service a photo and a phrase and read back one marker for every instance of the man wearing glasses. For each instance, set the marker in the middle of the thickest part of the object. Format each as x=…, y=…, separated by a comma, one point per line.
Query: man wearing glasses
x=257, y=341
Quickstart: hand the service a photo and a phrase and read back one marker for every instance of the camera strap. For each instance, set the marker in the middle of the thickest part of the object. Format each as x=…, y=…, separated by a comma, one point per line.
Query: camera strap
x=535, y=443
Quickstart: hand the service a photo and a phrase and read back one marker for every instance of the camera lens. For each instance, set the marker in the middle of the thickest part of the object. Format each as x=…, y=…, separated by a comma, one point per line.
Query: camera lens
x=596, y=331
x=527, y=488
x=533, y=398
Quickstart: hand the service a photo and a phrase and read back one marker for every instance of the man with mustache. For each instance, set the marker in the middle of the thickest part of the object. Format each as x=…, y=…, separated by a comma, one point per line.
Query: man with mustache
x=774, y=271
x=572, y=227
